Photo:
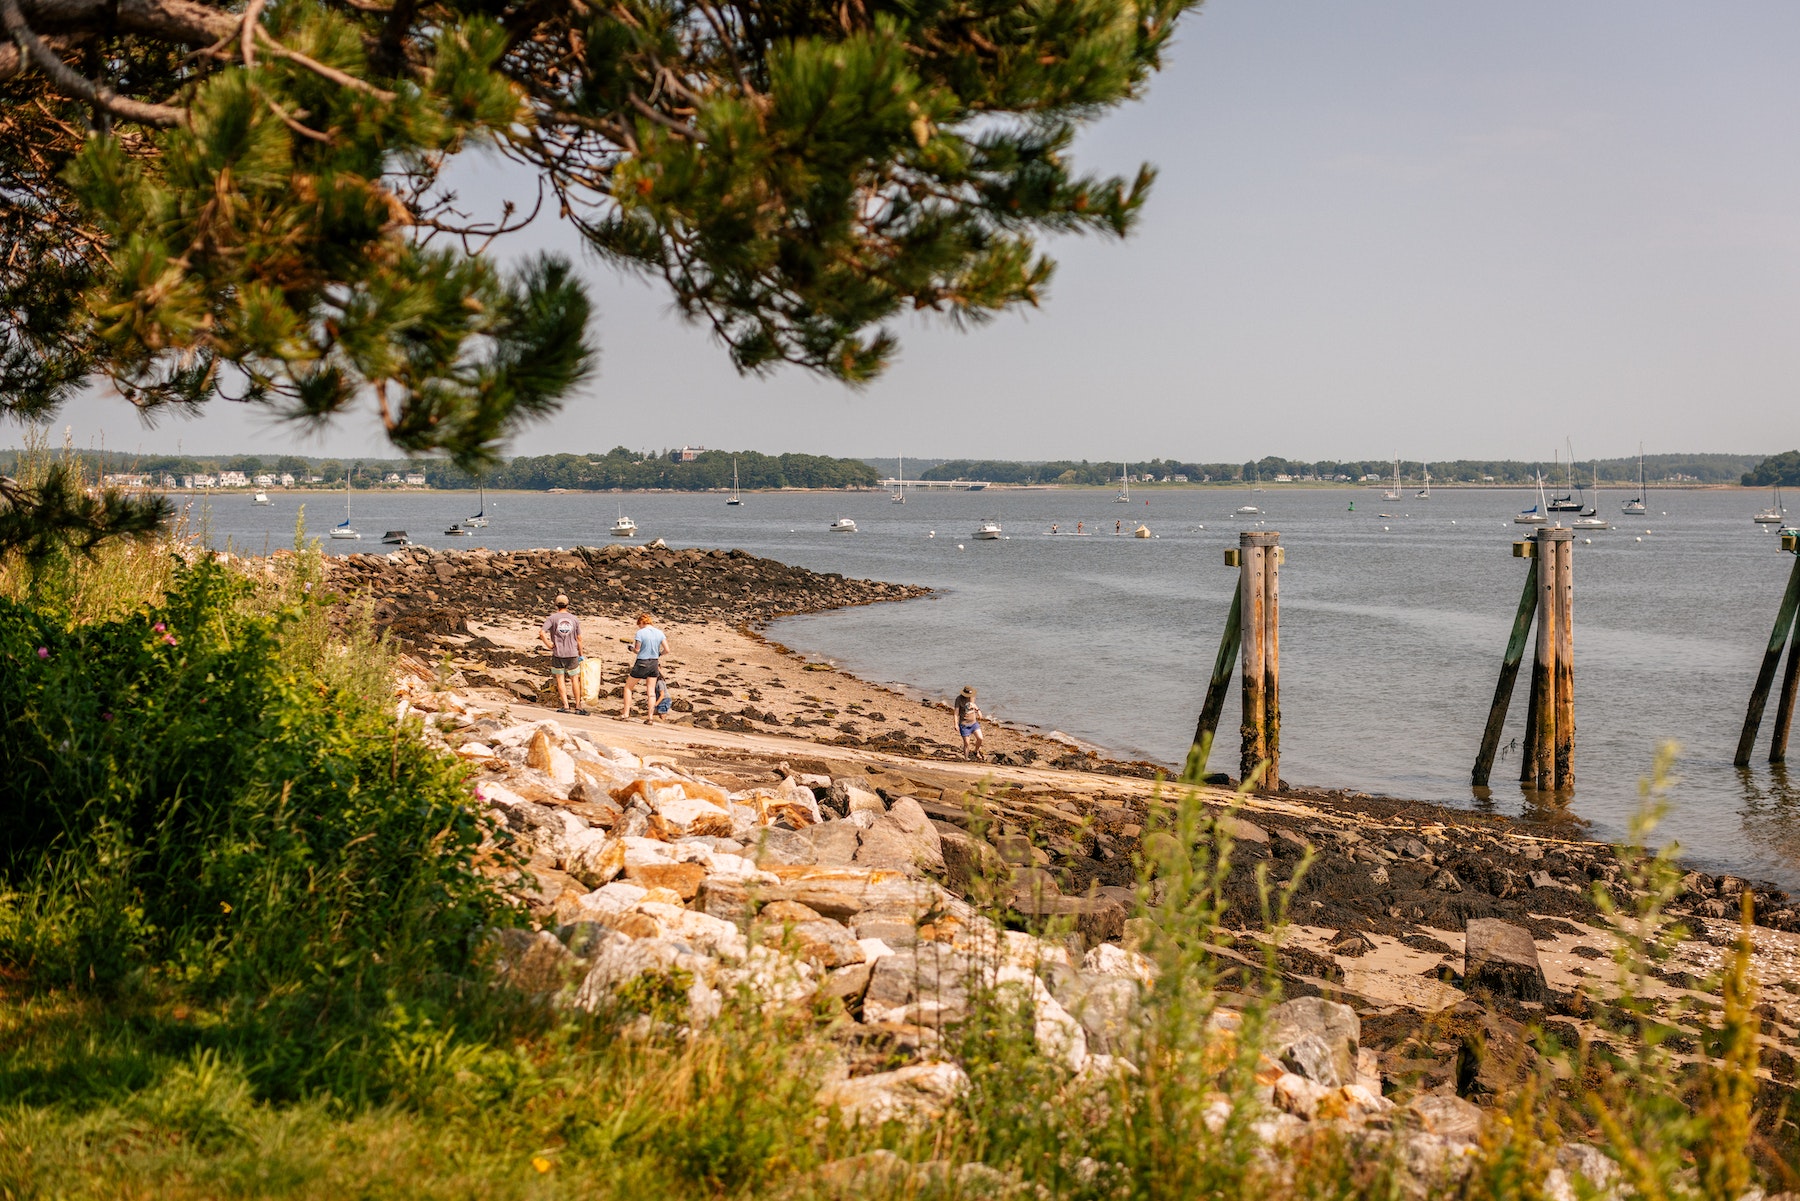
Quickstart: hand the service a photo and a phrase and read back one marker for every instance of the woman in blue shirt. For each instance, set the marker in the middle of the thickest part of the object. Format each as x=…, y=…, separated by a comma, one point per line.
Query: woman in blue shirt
x=647, y=667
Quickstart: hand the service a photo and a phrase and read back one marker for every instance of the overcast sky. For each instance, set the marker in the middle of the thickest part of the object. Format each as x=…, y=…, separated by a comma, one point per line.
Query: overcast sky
x=1438, y=230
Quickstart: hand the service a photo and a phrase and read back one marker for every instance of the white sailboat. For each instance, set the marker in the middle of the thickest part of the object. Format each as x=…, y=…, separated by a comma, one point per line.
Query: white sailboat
x=1636, y=507
x=1535, y=515
x=1776, y=514
x=735, y=498
x=1425, y=492
x=479, y=521
x=899, y=496
x=1394, y=492
x=1590, y=518
x=1124, y=496
x=1250, y=510
x=624, y=527
x=342, y=529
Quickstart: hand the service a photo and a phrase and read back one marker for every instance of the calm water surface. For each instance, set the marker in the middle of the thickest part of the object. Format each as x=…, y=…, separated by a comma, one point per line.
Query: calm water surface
x=1392, y=627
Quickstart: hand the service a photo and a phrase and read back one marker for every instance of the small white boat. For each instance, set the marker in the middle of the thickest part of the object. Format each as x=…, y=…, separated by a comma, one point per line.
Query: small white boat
x=843, y=525
x=1425, y=492
x=624, y=527
x=261, y=498
x=479, y=521
x=1394, y=492
x=343, y=528
x=735, y=498
x=1535, y=514
x=1776, y=514
x=1124, y=496
x=1635, y=507
x=899, y=496
x=456, y=531
x=988, y=530
x=1590, y=518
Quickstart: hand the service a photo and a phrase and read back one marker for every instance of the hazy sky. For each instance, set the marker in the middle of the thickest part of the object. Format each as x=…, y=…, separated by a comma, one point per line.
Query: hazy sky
x=1438, y=230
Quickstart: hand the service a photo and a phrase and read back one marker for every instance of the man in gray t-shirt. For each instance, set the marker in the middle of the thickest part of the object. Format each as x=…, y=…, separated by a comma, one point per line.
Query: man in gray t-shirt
x=561, y=636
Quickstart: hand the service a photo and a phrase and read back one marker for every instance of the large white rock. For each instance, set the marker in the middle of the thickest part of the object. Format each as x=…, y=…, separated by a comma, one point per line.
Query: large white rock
x=618, y=960
x=918, y=1093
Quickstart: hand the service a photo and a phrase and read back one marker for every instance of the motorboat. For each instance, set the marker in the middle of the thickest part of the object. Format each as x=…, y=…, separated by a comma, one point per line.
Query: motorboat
x=456, y=531
x=479, y=521
x=395, y=538
x=624, y=527
x=344, y=529
x=988, y=530
x=843, y=525
x=1775, y=514
x=261, y=498
x=1246, y=511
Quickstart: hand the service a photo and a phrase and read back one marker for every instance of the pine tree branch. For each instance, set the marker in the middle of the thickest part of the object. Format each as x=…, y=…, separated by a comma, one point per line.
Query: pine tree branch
x=247, y=32
x=71, y=83
x=314, y=65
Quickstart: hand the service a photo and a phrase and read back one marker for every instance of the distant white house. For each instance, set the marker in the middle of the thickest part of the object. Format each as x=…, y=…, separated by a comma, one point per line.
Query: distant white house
x=265, y=480
x=287, y=479
x=392, y=477
x=200, y=481
x=415, y=479
x=124, y=479
x=688, y=454
x=1370, y=477
x=1181, y=479
x=233, y=479
x=169, y=480
x=1284, y=479
x=315, y=479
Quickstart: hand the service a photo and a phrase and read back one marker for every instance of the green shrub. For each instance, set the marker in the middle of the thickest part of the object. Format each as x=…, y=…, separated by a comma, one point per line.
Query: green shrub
x=193, y=797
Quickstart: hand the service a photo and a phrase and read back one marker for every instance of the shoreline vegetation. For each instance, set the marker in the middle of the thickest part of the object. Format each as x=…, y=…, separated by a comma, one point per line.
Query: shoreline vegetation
x=686, y=470
x=305, y=892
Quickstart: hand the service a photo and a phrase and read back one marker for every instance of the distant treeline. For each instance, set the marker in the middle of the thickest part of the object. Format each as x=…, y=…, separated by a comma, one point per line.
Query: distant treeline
x=1700, y=469
x=1783, y=469
x=617, y=468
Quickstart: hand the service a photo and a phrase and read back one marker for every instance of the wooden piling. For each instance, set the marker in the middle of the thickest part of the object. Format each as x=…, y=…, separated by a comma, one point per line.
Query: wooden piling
x=1272, y=664
x=1563, y=542
x=1784, y=710
x=1251, y=587
x=1509, y=673
x=1759, y=694
x=1216, y=688
x=1543, y=715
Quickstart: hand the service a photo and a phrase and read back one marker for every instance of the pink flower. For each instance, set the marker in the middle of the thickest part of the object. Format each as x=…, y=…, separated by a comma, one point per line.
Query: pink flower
x=169, y=638
x=159, y=627
x=43, y=652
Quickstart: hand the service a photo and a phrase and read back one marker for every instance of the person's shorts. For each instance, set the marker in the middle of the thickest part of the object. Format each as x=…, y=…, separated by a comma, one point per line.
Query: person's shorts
x=970, y=730
x=564, y=665
x=646, y=669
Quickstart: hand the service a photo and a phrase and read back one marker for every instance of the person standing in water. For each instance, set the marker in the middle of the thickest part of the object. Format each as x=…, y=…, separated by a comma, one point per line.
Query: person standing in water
x=968, y=723
x=647, y=667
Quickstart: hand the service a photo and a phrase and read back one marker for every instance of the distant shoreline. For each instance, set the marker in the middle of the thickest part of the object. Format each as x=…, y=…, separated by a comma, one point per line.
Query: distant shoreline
x=1216, y=486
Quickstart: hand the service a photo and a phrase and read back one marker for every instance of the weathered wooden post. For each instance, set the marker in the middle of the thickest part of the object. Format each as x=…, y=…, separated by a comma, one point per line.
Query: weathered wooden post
x=1759, y=693
x=1509, y=672
x=1563, y=543
x=1252, y=636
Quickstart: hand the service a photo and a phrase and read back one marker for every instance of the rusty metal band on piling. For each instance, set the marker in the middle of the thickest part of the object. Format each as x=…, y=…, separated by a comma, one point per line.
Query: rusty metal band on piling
x=1250, y=582
x=1509, y=673
x=1564, y=543
x=1759, y=695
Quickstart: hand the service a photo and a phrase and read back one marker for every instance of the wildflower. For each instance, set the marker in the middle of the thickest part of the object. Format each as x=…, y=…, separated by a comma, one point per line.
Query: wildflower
x=170, y=639
x=540, y=1163
x=106, y=717
x=159, y=627
x=43, y=652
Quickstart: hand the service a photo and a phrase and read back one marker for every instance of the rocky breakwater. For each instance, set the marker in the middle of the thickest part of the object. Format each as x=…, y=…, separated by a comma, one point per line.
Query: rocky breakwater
x=815, y=889
x=419, y=594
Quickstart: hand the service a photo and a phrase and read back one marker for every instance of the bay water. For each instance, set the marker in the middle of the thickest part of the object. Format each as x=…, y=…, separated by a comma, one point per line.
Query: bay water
x=1394, y=616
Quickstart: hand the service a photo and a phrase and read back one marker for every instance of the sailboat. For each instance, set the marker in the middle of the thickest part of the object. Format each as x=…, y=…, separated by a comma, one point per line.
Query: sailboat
x=342, y=529
x=1124, y=496
x=1566, y=503
x=1775, y=514
x=479, y=521
x=1635, y=507
x=1535, y=514
x=735, y=498
x=1250, y=510
x=1425, y=492
x=1394, y=492
x=899, y=496
x=1590, y=518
